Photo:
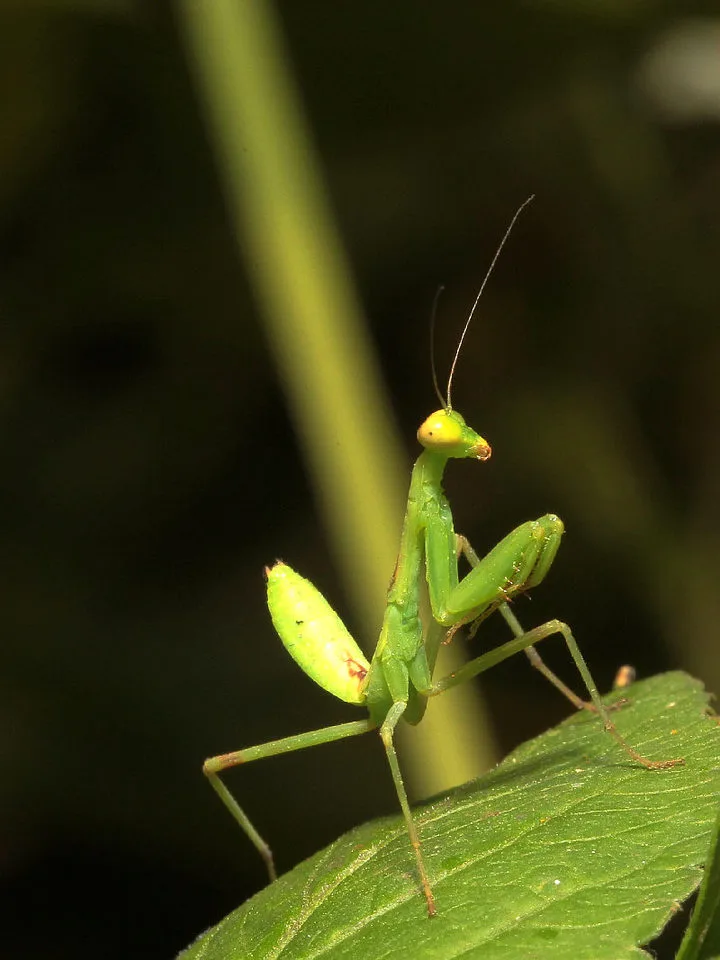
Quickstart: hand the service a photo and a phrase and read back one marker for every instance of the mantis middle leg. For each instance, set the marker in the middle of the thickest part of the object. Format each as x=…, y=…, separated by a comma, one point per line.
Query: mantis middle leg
x=524, y=640
x=387, y=730
x=465, y=548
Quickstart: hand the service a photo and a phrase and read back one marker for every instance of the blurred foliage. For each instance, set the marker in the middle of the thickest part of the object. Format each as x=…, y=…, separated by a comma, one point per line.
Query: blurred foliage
x=150, y=468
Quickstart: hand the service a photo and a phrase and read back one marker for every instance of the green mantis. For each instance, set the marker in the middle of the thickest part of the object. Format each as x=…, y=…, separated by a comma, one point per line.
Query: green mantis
x=398, y=682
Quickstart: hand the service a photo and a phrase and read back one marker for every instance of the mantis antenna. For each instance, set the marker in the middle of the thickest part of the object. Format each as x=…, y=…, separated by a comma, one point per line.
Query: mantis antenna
x=448, y=404
x=433, y=316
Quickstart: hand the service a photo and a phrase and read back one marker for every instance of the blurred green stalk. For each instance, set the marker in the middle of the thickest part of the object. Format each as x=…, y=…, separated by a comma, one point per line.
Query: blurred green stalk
x=316, y=331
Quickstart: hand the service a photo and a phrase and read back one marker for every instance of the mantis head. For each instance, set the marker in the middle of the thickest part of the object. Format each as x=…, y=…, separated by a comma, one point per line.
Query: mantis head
x=446, y=432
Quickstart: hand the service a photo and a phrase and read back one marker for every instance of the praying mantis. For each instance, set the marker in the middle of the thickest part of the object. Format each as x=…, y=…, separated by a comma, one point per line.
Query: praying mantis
x=398, y=683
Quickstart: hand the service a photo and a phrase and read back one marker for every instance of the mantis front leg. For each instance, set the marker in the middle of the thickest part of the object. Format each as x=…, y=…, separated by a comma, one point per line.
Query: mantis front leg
x=518, y=562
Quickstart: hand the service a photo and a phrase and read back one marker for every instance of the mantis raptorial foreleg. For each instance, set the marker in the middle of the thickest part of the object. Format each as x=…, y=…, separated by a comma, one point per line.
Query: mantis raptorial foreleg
x=515, y=564
x=464, y=548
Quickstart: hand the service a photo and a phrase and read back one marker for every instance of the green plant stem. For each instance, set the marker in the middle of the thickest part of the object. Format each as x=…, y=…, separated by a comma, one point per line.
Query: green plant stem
x=296, y=264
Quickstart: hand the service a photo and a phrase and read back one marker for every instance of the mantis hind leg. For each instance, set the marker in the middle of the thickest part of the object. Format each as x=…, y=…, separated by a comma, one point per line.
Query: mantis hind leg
x=597, y=706
x=522, y=641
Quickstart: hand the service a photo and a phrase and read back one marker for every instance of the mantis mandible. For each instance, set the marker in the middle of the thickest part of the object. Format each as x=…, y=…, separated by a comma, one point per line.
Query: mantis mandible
x=399, y=681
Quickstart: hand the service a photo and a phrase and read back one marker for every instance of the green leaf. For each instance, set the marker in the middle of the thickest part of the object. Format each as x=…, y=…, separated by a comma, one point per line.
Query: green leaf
x=566, y=850
x=702, y=940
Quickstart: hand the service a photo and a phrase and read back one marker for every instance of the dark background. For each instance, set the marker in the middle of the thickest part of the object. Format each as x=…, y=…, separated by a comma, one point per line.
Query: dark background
x=149, y=470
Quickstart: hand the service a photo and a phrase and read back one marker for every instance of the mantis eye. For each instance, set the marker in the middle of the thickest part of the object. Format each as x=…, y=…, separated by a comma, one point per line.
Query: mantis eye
x=440, y=430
